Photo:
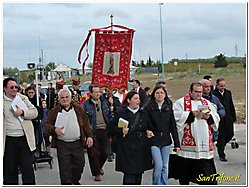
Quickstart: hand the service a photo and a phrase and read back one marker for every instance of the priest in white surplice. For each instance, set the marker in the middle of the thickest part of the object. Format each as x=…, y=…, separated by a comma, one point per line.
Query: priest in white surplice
x=195, y=118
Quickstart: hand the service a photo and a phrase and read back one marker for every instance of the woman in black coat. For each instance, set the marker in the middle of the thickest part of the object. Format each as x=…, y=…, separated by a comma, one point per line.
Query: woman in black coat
x=162, y=126
x=31, y=94
x=130, y=143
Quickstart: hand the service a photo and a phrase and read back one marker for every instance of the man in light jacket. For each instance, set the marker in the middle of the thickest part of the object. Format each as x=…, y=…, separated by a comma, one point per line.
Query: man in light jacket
x=18, y=136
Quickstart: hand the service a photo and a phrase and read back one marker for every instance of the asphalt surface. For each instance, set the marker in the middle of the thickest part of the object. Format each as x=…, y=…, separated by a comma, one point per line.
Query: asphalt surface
x=233, y=172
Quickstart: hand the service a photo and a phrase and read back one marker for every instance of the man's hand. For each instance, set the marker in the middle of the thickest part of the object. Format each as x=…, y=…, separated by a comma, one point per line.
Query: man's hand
x=59, y=131
x=18, y=111
x=206, y=116
x=89, y=142
x=196, y=113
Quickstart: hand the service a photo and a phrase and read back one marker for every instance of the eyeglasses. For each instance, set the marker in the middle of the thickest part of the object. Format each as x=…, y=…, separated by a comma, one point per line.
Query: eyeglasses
x=97, y=107
x=14, y=87
x=31, y=92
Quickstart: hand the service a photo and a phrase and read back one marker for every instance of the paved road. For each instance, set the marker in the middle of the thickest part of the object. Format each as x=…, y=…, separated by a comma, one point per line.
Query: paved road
x=236, y=166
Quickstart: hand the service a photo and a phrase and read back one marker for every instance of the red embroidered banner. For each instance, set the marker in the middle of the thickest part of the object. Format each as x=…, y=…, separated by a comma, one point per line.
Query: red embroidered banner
x=112, y=56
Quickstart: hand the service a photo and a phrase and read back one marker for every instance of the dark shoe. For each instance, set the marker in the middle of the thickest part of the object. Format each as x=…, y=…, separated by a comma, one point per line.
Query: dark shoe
x=97, y=178
x=101, y=172
x=76, y=183
x=223, y=159
x=110, y=159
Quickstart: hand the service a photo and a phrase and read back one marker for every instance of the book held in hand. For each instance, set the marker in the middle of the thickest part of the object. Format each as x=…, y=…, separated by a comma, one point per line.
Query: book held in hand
x=122, y=123
x=18, y=102
x=61, y=120
x=203, y=108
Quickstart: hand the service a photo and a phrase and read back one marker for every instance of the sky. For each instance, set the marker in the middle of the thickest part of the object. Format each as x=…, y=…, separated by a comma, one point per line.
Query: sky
x=189, y=30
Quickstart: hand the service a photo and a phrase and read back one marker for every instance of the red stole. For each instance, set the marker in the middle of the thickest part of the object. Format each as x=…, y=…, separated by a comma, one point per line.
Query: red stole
x=187, y=139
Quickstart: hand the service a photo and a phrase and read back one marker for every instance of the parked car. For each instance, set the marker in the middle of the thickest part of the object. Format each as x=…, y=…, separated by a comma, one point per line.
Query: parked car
x=84, y=87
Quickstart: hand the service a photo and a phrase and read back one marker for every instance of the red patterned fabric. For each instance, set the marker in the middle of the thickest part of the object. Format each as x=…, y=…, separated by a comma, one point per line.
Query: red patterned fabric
x=211, y=143
x=188, y=139
x=112, y=56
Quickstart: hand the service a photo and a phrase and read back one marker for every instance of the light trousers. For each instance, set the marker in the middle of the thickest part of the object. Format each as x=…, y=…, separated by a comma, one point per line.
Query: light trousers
x=160, y=156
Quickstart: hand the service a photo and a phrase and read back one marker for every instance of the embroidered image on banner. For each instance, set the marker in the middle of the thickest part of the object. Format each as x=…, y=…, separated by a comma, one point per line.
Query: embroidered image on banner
x=111, y=63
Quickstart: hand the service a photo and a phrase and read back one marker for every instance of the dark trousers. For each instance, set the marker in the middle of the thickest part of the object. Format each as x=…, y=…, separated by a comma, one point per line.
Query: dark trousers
x=110, y=152
x=221, y=144
x=17, y=154
x=225, y=135
x=132, y=179
x=223, y=139
x=98, y=153
x=71, y=161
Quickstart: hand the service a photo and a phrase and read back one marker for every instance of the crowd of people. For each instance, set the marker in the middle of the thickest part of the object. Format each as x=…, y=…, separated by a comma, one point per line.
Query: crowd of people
x=140, y=129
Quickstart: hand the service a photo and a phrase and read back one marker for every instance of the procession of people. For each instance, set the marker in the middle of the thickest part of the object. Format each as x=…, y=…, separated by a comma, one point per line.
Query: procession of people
x=140, y=131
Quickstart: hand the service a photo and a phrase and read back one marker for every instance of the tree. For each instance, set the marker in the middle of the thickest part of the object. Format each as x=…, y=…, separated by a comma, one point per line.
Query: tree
x=220, y=61
x=10, y=71
x=142, y=63
x=149, y=62
x=159, y=67
x=134, y=63
x=50, y=66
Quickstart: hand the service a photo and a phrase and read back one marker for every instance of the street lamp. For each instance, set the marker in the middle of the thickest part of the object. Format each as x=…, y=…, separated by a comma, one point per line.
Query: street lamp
x=40, y=67
x=160, y=4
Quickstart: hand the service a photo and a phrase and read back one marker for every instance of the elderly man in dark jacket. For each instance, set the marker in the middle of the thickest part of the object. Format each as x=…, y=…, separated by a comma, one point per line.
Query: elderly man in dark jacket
x=99, y=114
x=69, y=138
x=207, y=94
x=226, y=130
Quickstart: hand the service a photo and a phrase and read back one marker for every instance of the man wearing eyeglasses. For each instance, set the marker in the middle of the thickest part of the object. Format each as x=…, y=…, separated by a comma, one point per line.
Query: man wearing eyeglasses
x=195, y=118
x=19, y=138
x=99, y=114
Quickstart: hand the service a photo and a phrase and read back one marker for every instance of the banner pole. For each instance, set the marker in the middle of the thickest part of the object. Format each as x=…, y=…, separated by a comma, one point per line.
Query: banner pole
x=111, y=22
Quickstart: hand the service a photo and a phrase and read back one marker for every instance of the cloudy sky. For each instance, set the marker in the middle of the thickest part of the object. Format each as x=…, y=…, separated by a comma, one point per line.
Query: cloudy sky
x=190, y=30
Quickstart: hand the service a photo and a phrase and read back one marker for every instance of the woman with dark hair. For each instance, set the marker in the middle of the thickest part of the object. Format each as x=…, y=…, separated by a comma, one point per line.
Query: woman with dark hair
x=31, y=94
x=161, y=125
x=130, y=143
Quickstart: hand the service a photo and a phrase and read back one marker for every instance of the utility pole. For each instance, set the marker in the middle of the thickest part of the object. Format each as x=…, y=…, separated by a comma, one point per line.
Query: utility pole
x=236, y=50
x=42, y=61
x=160, y=4
x=140, y=62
